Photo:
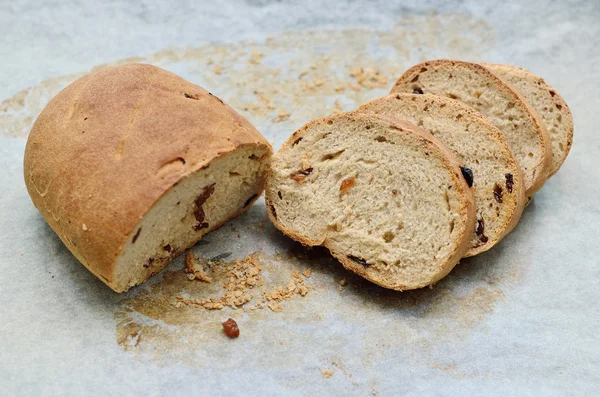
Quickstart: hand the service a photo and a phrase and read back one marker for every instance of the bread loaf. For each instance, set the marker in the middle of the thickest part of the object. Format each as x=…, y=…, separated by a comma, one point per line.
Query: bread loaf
x=548, y=103
x=499, y=102
x=131, y=165
x=498, y=182
x=385, y=197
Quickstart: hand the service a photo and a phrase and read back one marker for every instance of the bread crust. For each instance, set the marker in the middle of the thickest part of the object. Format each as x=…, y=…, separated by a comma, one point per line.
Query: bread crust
x=560, y=156
x=470, y=115
x=111, y=144
x=542, y=169
x=449, y=158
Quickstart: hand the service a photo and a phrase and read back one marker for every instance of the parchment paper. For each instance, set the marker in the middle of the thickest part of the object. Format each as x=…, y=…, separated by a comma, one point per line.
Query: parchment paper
x=521, y=319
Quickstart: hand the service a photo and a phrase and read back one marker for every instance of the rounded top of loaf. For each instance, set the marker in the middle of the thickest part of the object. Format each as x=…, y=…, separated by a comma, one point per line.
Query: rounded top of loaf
x=109, y=145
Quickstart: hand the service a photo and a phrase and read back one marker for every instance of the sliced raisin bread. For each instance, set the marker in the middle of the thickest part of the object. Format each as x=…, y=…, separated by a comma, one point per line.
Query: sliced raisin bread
x=481, y=89
x=498, y=182
x=387, y=198
x=551, y=107
x=132, y=165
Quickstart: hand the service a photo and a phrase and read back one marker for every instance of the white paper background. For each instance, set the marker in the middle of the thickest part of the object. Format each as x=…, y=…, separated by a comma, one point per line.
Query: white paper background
x=522, y=319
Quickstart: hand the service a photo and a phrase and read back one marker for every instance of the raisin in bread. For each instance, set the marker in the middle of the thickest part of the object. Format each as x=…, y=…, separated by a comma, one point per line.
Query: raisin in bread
x=132, y=165
x=498, y=182
x=499, y=102
x=385, y=197
x=551, y=107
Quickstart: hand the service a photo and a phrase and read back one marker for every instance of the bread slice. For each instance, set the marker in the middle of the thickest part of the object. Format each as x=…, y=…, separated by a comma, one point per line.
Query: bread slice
x=132, y=165
x=481, y=89
x=548, y=103
x=387, y=198
x=498, y=182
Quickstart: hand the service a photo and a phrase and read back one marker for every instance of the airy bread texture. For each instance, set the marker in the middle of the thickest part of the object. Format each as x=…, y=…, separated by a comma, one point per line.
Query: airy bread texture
x=131, y=165
x=498, y=182
x=387, y=198
x=499, y=102
x=547, y=102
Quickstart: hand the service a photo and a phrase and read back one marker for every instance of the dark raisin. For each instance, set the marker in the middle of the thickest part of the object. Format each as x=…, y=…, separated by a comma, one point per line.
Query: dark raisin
x=188, y=96
x=231, y=328
x=168, y=248
x=509, y=182
x=247, y=203
x=148, y=263
x=297, y=141
x=498, y=193
x=552, y=93
x=199, y=212
x=468, y=175
x=279, y=195
x=135, y=237
x=414, y=80
x=300, y=176
x=417, y=91
x=480, y=230
x=273, y=211
x=201, y=226
x=359, y=260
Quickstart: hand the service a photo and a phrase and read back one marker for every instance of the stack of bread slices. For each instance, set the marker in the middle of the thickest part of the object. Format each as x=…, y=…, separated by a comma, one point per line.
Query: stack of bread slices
x=405, y=186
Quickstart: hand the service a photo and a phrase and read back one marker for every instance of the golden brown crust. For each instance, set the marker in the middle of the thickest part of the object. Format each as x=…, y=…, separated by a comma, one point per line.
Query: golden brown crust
x=108, y=146
x=448, y=157
x=542, y=168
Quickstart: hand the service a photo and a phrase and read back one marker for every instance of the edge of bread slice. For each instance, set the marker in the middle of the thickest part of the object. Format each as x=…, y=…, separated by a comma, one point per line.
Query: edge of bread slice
x=385, y=197
x=498, y=182
x=499, y=102
x=548, y=103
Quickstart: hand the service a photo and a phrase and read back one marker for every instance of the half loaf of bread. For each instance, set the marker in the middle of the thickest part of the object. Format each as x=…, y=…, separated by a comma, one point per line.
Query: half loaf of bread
x=548, y=103
x=131, y=165
x=499, y=102
x=497, y=178
x=385, y=197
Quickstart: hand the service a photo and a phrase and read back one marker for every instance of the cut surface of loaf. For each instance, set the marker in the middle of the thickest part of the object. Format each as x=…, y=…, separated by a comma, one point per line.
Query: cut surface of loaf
x=548, y=103
x=131, y=165
x=385, y=197
x=500, y=103
x=498, y=182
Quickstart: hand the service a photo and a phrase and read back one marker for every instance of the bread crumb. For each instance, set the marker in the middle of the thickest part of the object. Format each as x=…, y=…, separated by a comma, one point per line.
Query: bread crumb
x=326, y=374
x=194, y=269
x=84, y=227
x=354, y=87
x=303, y=290
x=243, y=283
x=338, y=106
x=218, y=70
x=307, y=273
x=282, y=116
x=343, y=282
x=256, y=58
